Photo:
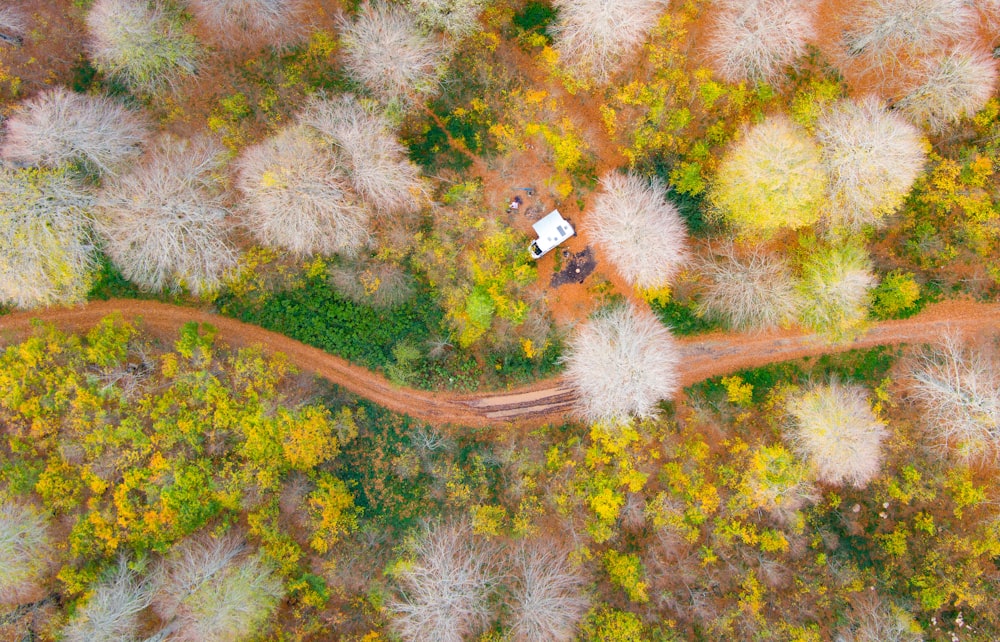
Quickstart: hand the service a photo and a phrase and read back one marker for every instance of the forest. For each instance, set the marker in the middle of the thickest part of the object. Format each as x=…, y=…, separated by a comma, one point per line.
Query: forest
x=417, y=432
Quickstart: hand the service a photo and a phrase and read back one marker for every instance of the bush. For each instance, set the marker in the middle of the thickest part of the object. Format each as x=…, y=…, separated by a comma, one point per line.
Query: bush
x=959, y=390
x=872, y=157
x=751, y=291
x=297, y=196
x=24, y=552
x=546, y=599
x=164, y=223
x=897, y=296
x=754, y=40
x=46, y=249
x=380, y=284
x=834, y=429
x=112, y=612
x=621, y=362
x=389, y=53
x=834, y=290
x=640, y=230
x=140, y=43
x=58, y=126
x=595, y=38
x=949, y=86
x=273, y=22
x=772, y=178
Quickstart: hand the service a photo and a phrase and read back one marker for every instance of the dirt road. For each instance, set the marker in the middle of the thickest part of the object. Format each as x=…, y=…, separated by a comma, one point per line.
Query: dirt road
x=545, y=401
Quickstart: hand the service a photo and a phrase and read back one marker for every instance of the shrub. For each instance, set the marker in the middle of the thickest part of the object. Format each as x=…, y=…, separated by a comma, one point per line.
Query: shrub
x=24, y=550
x=751, y=291
x=164, y=223
x=47, y=252
x=377, y=164
x=834, y=290
x=959, y=390
x=273, y=22
x=872, y=158
x=621, y=362
x=833, y=427
x=389, y=53
x=753, y=41
x=896, y=296
x=297, y=196
x=140, y=43
x=444, y=589
x=58, y=126
x=456, y=17
x=380, y=284
x=112, y=612
x=640, y=230
x=772, y=178
x=595, y=38
x=949, y=86
x=546, y=599
x=214, y=590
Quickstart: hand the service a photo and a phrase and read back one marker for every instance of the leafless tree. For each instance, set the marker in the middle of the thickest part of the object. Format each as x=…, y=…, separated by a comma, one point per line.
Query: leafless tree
x=273, y=22
x=547, y=598
x=381, y=284
x=58, y=126
x=833, y=427
x=12, y=26
x=755, y=40
x=46, y=254
x=215, y=590
x=112, y=612
x=456, y=17
x=959, y=389
x=875, y=619
x=948, y=87
x=164, y=223
x=595, y=38
x=872, y=157
x=24, y=551
x=621, y=362
x=748, y=290
x=639, y=229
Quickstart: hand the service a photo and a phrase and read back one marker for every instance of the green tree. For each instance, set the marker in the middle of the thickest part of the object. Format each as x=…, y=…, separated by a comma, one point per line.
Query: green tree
x=834, y=288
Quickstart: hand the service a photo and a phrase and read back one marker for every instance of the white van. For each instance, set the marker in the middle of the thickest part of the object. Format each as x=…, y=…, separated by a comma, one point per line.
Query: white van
x=551, y=230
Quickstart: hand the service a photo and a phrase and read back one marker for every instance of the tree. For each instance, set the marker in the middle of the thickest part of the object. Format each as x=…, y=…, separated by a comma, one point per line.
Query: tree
x=444, y=589
x=215, y=590
x=875, y=619
x=46, y=255
x=112, y=612
x=595, y=38
x=872, y=157
x=640, y=229
x=750, y=290
x=24, y=551
x=833, y=427
x=377, y=164
x=58, y=126
x=164, y=223
x=456, y=17
x=389, y=53
x=297, y=195
x=621, y=362
x=772, y=178
x=834, y=289
x=948, y=87
x=12, y=26
x=959, y=390
x=380, y=284
x=755, y=41
x=546, y=600
x=272, y=22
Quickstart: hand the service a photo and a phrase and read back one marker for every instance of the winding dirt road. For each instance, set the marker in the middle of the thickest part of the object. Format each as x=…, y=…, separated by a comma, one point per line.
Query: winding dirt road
x=550, y=400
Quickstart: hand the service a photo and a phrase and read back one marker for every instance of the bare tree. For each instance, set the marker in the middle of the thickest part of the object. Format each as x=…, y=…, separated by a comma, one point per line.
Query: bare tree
x=215, y=590
x=456, y=17
x=24, y=551
x=639, y=229
x=595, y=38
x=621, y=362
x=834, y=291
x=59, y=126
x=959, y=390
x=12, y=26
x=164, y=223
x=750, y=290
x=833, y=427
x=112, y=612
x=274, y=22
x=874, y=619
x=546, y=599
x=381, y=284
x=872, y=157
x=755, y=40
x=46, y=254
x=443, y=592
x=140, y=43
x=297, y=195
x=386, y=49
x=948, y=87
x=377, y=165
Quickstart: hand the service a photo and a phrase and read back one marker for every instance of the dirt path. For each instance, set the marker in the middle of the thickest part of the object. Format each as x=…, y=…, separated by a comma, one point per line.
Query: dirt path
x=546, y=401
